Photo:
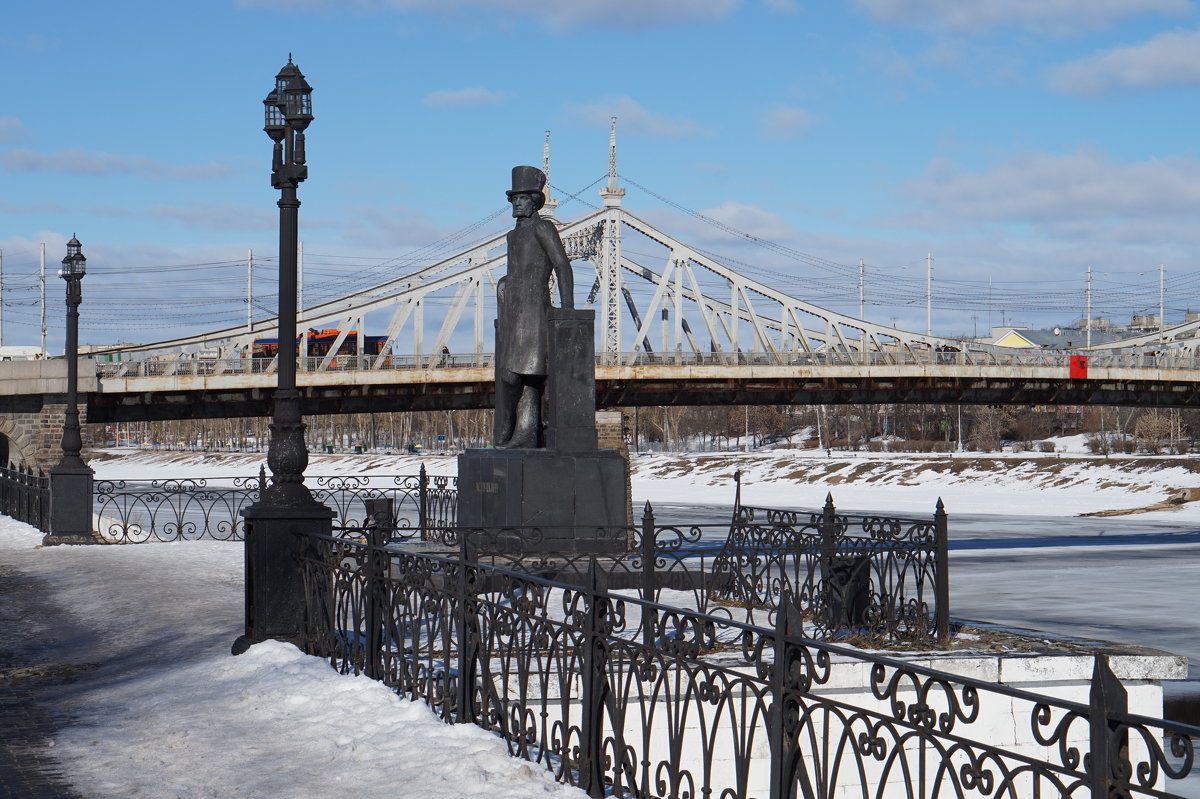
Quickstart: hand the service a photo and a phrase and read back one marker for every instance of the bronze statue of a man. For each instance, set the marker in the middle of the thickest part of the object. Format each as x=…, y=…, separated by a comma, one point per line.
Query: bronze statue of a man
x=523, y=299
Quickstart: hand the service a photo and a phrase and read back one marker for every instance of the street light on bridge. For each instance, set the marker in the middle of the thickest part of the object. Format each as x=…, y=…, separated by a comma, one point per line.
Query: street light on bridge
x=274, y=590
x=71, y=479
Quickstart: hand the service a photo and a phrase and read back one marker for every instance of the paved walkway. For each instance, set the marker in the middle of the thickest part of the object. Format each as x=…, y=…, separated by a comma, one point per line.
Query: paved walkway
x=27, y=685
x=25, y=729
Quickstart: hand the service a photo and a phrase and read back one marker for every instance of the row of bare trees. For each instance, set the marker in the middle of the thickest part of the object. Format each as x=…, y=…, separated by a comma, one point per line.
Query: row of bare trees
x=930, y=428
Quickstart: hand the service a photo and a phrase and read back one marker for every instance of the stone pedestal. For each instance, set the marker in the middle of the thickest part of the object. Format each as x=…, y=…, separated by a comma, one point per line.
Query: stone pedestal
x=576, y=500
x=70, y=505
x=274, y=578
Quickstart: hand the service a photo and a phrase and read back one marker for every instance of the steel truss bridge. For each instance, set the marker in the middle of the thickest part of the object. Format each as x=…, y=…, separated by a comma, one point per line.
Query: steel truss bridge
x=674, y=326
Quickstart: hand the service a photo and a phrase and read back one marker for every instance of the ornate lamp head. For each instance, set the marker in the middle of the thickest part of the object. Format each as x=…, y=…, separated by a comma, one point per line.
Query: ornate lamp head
x=74, y=265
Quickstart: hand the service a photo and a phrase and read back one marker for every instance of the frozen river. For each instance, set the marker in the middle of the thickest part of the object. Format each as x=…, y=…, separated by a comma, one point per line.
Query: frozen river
x=1115, y=579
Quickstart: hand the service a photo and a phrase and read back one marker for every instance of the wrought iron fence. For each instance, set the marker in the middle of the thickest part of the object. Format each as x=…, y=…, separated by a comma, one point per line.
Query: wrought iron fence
x=624, y=696
x=25, y=496
x=184, y=509
x=137, y=511
x=884, y=585
x=886, y=578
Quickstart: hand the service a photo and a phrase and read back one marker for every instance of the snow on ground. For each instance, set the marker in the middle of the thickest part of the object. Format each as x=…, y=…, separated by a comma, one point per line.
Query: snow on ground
x=907, y=483
x=161, y=709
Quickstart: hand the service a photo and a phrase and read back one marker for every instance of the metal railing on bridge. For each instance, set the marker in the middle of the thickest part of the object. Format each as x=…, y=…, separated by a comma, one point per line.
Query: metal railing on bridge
x=187, y=366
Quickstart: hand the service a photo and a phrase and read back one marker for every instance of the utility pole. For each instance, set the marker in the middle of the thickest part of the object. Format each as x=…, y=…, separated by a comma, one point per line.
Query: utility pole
x=1161, y=319
x=250, y=290
x=1089, y=308
x=929, y=294
x=42, y=283
x=1, y=298
x=989, y=307
x=861, y=295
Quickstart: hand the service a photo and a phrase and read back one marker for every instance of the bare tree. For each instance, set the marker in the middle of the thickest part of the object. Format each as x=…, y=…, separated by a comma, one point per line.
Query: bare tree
x=1152, y=431
x=988, y=426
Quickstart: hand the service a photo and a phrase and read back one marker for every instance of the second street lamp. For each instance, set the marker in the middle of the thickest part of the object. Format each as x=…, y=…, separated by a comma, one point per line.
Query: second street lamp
x=71, y=479
x=74, y=267
x=274, y=588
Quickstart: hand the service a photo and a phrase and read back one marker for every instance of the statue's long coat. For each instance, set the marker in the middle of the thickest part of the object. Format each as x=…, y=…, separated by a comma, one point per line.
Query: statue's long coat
x=534, y=252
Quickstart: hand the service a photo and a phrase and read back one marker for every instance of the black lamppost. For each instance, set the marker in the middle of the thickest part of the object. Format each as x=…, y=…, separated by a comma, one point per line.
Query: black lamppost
x=274, y=588
x=71, y=479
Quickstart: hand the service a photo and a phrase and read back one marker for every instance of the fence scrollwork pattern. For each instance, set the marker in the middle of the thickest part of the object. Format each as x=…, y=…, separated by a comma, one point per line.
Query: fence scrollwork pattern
x=185, y=509
x=626, y=696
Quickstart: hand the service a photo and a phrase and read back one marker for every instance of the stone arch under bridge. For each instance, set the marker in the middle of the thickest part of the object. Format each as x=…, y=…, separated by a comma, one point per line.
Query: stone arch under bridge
x=17, y=447
x=33, y=439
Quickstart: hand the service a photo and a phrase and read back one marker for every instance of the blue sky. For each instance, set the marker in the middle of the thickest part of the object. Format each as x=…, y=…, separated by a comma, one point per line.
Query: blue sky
x=1018, y=141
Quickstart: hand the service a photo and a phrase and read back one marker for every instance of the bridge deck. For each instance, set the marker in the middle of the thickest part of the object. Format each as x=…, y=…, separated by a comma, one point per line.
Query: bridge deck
x=200, y=388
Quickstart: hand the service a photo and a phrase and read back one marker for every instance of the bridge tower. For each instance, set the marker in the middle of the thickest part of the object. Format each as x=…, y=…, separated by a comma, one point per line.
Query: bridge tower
x=609, y=267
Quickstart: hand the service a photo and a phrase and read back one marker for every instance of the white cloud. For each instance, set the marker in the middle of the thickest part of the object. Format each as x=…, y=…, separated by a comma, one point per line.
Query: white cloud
x=554, y=14
x=31, y=208
x=782, y=6
x=1168, y=59
x=786, y=122
x=34, y=43
x=1061, y=194
x=80, y=162
x=11, y=130
x=885, y=61
x=746, y=218
x=203, y=216
x=633, y=117
x=1056, y=17
x=389, y=226
x=464, y=98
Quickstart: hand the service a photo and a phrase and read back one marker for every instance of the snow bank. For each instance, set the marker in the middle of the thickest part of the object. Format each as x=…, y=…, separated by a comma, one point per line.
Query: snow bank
x=276, y=722
x=160, y=708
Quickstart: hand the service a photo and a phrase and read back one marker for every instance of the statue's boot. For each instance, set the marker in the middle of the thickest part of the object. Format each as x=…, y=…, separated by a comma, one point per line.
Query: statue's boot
x=525, y=432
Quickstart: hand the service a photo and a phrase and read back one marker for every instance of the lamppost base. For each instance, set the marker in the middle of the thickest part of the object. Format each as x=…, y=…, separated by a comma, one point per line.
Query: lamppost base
x=70, y=504
x=275, y=597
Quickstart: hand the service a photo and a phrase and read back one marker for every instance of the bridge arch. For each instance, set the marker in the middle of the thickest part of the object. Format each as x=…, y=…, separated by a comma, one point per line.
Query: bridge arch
x=17, y=448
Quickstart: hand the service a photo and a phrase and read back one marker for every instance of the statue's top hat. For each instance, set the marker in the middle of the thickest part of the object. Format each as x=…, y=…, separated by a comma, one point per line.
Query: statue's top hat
x=528, y=180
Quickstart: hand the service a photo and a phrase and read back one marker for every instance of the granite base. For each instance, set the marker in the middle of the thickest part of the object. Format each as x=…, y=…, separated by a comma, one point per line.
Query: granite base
x=574, y=500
